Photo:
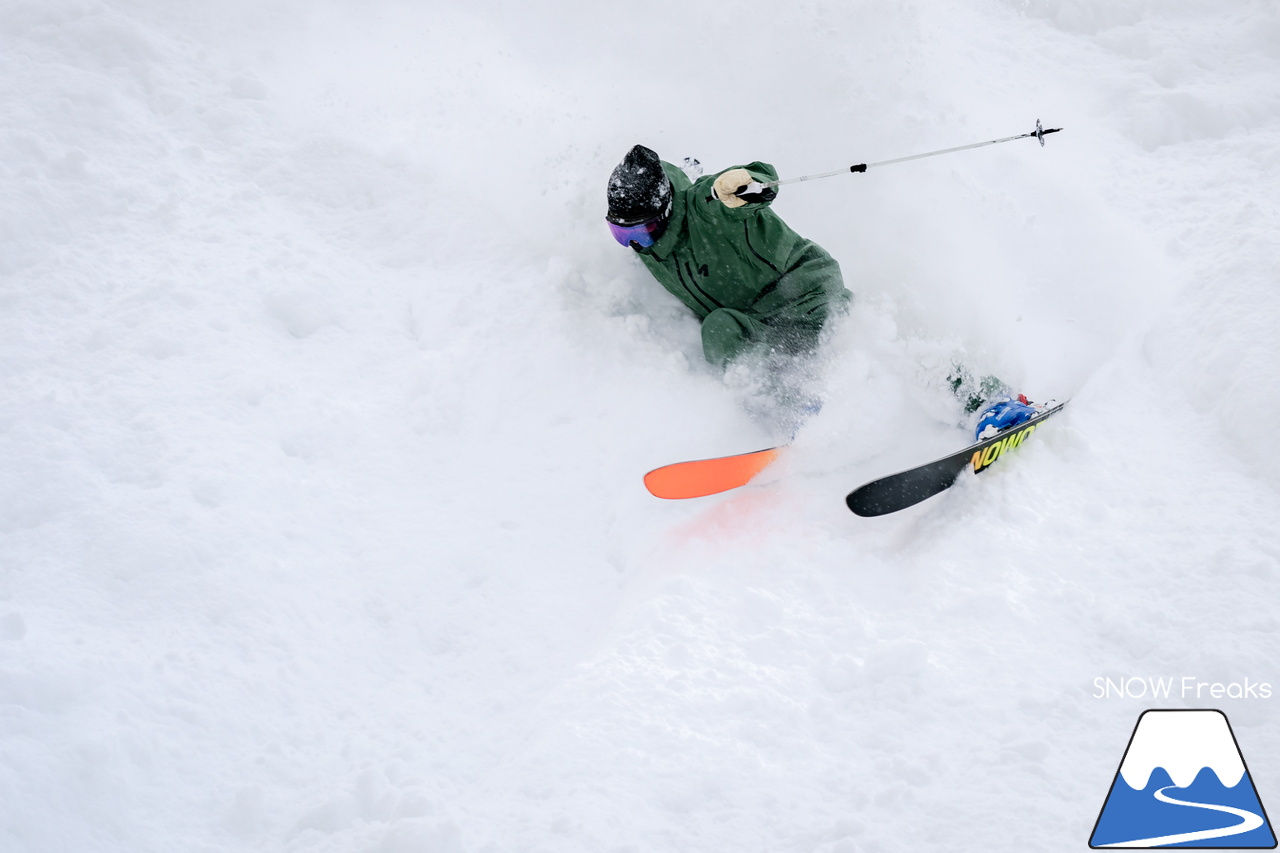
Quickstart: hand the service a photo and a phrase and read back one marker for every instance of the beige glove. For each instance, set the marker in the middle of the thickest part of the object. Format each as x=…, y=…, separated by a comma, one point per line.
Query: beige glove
x=729, y=183
x=734, y=181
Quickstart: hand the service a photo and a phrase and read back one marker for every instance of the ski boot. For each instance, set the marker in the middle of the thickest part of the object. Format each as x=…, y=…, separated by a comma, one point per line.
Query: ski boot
x=1003, y=414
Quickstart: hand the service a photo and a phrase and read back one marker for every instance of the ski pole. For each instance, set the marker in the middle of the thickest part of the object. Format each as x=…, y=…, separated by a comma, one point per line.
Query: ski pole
x=1039, y=133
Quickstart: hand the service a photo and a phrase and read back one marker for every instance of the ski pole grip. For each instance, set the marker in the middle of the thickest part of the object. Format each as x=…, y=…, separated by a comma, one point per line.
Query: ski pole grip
x=861, y=167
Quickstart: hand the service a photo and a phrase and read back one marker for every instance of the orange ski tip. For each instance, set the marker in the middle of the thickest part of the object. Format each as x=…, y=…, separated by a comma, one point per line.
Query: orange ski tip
x=707, y=476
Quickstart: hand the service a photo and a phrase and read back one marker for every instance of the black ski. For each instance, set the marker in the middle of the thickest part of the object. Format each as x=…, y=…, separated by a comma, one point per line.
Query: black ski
x=908, y=488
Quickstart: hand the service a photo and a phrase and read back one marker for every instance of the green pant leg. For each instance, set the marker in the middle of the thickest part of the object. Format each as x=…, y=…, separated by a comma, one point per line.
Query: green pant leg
x=728, y=334
x=976, y=393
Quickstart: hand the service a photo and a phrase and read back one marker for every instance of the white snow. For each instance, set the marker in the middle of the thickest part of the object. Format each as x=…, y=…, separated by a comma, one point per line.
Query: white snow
x=327, y=396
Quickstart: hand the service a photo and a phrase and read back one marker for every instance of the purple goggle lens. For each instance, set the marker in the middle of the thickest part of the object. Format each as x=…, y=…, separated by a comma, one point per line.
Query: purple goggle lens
x=642, y=235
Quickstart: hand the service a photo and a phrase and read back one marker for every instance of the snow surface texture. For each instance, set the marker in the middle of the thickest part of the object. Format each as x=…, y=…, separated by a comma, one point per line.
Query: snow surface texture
x=327, y=396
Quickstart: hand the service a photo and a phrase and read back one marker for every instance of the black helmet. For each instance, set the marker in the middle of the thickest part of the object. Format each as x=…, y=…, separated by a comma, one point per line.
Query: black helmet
x=639, y=190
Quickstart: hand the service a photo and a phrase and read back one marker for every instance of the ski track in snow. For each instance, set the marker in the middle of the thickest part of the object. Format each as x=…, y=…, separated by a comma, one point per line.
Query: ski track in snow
x=327, y=395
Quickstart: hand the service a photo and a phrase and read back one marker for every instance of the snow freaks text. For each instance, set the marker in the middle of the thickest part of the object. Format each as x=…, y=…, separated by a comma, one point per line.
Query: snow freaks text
x=1185, y=687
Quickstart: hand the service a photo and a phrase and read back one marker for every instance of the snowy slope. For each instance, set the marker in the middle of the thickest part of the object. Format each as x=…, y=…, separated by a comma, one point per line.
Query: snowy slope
x=326, y=398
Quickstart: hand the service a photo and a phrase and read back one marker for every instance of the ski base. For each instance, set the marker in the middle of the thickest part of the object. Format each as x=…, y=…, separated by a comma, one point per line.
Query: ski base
x=703, y=477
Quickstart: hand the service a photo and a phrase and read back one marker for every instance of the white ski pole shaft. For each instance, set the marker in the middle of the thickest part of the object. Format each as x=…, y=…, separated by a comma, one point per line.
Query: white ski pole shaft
x=1039, y=133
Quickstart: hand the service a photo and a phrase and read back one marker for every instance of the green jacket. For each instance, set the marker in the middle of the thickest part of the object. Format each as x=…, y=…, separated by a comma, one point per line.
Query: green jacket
x=777, y=286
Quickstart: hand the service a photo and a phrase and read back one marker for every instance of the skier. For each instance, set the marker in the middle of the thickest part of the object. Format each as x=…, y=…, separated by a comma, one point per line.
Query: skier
x=757, y=286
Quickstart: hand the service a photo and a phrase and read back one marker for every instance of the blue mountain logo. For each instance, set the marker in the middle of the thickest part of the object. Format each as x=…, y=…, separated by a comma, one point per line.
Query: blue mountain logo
x=1183, y=783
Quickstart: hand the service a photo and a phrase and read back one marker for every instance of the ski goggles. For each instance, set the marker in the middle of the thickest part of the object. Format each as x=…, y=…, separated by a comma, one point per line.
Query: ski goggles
x=643, y=235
